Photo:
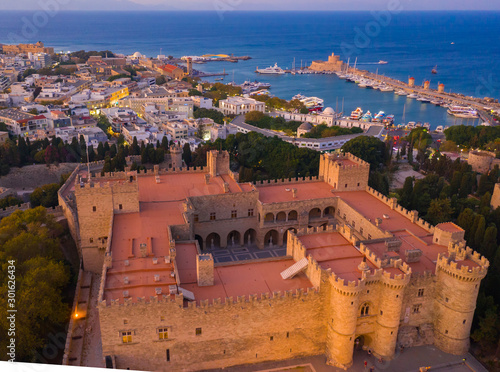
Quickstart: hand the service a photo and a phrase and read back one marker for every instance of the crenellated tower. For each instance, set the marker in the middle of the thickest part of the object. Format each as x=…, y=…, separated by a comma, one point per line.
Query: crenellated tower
x=459, y=273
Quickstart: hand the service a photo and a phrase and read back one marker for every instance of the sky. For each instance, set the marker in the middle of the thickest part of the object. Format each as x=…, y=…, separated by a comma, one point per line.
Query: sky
x=243, y=5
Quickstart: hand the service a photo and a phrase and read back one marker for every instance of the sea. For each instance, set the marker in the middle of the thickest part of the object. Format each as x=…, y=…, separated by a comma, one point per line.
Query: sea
x=465, y=47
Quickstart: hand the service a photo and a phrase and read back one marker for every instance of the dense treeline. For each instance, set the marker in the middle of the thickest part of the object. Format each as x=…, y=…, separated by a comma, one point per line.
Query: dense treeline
x=19, y=152
x=469, y=136
x=30, y=243
x=257, y=157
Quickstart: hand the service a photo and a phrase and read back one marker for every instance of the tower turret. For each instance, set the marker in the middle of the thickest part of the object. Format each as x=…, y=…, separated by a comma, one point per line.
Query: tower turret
x=176, y=156
x=459, y=274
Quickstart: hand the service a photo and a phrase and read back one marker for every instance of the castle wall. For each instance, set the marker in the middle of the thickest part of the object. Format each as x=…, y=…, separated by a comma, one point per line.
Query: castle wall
x=275, y=328
x=365, y=228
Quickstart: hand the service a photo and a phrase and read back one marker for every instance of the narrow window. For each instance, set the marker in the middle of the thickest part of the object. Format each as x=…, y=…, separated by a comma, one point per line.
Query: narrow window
x=91, y=240
x=196, y=218
x=421, y=292
x=212, y=216
x=416, y=309
x=250, y=213
x=234, y=214
x=346, y=185
x=288, y=334
x=120, y=207
x=198, y=331
x=271, y=338
x=168, y=355
x=94, y=208
x=358, y=184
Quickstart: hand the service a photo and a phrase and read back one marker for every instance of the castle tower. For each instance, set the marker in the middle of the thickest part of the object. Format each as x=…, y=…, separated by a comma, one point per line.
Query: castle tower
x=176, y=156
x=205, y=269
x=218, y=162
x=189, y=66
x=457, y=286
x=411, y=82
x=341, y=324
x=96, y=203
x=344, y=172
x=389, y=313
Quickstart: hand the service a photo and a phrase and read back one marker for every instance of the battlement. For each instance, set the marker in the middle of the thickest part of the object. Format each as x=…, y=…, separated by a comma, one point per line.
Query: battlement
x=338, y=158
x=288, y=181
x=461, y=271
x=371, y=256
x=411, y=215
x=346, y=288
x=9, y=210
x=267, y=298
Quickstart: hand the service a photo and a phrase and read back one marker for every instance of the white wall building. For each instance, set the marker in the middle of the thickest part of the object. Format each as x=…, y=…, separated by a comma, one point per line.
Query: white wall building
x=240, y=105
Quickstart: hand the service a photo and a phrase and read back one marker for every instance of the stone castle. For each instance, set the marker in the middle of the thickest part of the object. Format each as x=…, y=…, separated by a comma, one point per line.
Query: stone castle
x=358, y=268
x=333, y=64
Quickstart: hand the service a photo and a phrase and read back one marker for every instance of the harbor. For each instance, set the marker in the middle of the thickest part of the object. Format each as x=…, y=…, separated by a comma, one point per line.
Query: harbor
x=461, y=109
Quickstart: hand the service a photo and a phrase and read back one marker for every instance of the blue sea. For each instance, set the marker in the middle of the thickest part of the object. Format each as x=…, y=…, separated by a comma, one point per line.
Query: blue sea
x=465, y=47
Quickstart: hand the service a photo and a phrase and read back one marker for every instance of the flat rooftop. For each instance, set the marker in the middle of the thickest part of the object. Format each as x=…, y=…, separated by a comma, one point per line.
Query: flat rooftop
x=245, y=279
x=269, y=193
x=371, y=207
x=182, y=185
x=332, y=251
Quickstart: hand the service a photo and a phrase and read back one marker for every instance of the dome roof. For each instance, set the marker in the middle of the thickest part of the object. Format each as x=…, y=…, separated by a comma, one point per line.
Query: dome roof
x=329, y=111
x=305, y=126
x=137, y=55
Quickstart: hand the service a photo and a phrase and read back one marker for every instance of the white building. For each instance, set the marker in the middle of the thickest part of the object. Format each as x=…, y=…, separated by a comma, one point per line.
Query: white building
x=203, y=102
x=240, y=105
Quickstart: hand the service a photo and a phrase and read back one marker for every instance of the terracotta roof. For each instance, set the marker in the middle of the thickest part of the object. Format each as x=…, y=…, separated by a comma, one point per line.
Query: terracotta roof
x=169, y=68
x=450, y=227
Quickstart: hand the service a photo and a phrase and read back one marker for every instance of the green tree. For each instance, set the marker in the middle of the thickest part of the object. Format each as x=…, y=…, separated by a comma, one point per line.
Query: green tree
x=45, y=196
x=9, y=201
x=186, y=154
x=439, y=211
x=489, y=244
x=370, y=149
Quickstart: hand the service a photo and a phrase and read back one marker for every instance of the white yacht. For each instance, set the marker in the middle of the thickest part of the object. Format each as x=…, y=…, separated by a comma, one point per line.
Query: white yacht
x=271, y=70
x=412, y=95
x=463, y=112
x=439, y=129
x=401, y=93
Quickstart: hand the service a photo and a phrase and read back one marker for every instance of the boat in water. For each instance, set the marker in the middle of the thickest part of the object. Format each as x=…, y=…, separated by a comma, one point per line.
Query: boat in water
x=423, y=99
x=435, y=70
x=388, y=120
x=313, y=104
x=401, y=93
x=439, y=129
x=410, y=125
x=382, y=62
x=463, y=112
x=356, y=114
x=413, y=95
x=379, y=117
x=367, y=117
x=386, y=88
x=271, y=70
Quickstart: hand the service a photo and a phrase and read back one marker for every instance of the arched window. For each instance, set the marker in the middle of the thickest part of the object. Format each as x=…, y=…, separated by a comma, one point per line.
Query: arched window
x=365, y=309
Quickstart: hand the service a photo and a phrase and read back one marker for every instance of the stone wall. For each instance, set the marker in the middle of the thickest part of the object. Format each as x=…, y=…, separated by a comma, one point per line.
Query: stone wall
x=231, y=331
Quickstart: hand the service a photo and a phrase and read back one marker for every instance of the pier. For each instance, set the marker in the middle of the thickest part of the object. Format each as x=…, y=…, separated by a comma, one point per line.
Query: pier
x=452, y=98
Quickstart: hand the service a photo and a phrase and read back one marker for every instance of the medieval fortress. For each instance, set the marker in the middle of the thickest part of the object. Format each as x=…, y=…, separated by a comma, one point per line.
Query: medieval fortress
x=359, y=269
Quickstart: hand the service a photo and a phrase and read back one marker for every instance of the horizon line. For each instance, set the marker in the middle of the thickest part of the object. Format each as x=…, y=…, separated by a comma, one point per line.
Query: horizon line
x=258, y=10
